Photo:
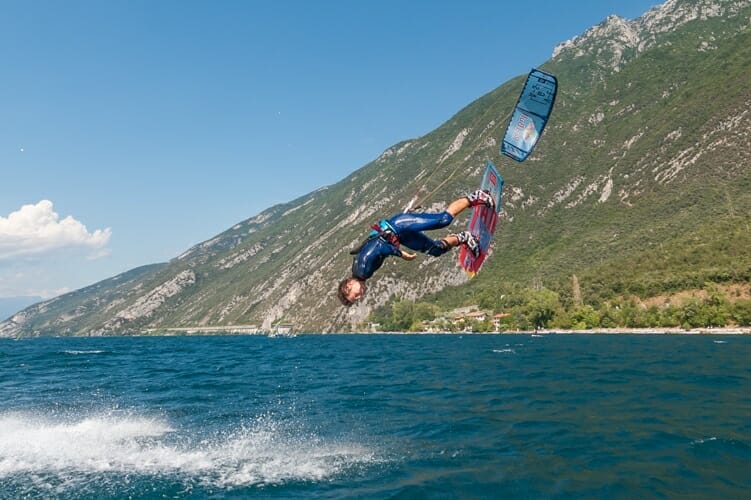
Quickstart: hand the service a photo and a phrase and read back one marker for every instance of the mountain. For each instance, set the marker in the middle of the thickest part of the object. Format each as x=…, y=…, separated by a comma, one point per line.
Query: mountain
x=640, y=184
x=9, y=305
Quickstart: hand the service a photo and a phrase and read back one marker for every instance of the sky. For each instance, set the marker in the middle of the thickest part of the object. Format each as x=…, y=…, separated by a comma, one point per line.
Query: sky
x=133, y=130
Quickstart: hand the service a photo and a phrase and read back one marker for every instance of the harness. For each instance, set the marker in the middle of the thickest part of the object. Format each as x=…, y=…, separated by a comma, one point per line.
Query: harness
x=385, y=231
x=382, y=229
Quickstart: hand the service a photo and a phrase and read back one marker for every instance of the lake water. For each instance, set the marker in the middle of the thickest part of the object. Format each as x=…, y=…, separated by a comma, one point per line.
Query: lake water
x=377, y=416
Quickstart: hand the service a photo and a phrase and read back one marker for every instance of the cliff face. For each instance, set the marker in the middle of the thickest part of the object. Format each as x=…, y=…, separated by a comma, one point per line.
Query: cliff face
x=619, y=40
x=646, y=155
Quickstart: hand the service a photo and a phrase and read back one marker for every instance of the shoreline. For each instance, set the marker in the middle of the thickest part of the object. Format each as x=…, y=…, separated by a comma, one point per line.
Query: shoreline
x=600, y=331
x=656, y=331
x=190, y=332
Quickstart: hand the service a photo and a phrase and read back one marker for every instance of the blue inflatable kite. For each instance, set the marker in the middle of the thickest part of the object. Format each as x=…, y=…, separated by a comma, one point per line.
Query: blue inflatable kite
x=530, y=115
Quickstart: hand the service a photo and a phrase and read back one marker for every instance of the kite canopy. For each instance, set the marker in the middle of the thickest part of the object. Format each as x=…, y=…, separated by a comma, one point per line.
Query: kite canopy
x=530, y=115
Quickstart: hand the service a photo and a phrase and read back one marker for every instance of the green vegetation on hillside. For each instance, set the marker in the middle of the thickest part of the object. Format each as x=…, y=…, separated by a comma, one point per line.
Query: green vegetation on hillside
x=525, y=309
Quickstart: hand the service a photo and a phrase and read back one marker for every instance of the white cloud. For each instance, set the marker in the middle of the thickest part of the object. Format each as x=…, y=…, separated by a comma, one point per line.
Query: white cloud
x=37, y=229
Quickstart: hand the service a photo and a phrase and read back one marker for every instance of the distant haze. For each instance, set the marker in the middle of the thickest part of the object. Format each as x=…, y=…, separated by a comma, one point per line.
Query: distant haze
x=11, y=305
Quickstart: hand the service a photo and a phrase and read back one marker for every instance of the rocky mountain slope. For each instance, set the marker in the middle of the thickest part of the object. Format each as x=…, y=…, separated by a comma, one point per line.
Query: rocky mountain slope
x=641, y=180
x=10, y=305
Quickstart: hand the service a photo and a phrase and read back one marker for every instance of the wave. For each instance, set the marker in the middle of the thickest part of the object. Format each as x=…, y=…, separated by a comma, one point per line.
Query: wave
x=75, y=352
x=702, y=441
x=80, y=452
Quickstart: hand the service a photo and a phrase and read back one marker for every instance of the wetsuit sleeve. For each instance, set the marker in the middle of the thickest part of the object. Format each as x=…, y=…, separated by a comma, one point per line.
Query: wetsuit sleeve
x=394, y=250
x=371, y=258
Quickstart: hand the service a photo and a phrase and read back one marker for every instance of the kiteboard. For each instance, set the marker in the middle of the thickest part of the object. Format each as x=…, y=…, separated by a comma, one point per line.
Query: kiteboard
x=483, y=220
x=528, y=120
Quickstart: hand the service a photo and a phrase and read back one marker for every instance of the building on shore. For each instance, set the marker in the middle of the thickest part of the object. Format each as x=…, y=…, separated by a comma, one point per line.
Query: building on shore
x=282, y=330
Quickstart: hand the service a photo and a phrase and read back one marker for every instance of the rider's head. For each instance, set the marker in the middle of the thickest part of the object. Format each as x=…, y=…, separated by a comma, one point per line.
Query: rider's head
x=350, y=291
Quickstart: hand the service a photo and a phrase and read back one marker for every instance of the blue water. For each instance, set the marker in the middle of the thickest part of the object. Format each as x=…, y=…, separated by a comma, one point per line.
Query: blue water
x=330, y=416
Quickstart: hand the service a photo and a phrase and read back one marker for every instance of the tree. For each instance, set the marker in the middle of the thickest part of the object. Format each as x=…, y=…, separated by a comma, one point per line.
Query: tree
x=691, y=314
x=741, y=312
x=576, y=290
x=585, y=317
x=609, y=317
x=541, y=307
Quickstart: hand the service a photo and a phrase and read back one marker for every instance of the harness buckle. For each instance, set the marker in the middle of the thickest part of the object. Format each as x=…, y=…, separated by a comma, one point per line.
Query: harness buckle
x=386, y=231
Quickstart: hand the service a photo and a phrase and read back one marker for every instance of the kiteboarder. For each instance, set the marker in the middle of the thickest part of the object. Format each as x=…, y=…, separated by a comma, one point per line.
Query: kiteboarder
x=406, y=229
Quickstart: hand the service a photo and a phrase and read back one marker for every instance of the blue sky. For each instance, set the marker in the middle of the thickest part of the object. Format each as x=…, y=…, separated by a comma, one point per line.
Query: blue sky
x=132, y=130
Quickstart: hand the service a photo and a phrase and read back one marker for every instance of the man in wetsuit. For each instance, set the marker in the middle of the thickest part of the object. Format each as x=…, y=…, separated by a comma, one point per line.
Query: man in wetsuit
x=407, y=229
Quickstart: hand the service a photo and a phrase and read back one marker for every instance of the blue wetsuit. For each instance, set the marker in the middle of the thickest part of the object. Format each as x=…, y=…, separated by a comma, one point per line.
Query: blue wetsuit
x=408, y=228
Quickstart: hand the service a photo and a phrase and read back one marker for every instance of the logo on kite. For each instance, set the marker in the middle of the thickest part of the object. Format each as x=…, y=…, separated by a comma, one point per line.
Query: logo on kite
x=492, y=178
x=530, y=115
